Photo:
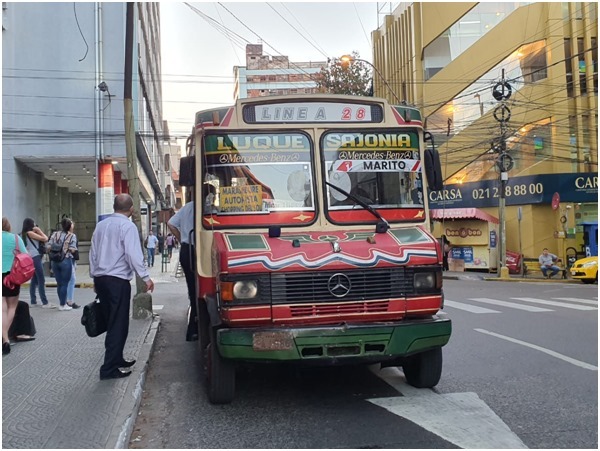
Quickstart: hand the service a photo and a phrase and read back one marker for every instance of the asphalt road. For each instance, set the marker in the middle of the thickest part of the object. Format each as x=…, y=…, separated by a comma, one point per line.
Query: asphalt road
x=512, y=377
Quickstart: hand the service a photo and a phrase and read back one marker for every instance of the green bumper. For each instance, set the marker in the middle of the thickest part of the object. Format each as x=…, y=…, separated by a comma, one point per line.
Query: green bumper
x=369, y=343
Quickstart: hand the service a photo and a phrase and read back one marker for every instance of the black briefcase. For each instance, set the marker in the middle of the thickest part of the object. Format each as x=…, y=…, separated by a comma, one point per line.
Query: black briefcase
x=93, y=319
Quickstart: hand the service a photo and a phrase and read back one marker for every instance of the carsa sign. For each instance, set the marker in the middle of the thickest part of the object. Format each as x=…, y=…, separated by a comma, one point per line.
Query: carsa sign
x=534, y=189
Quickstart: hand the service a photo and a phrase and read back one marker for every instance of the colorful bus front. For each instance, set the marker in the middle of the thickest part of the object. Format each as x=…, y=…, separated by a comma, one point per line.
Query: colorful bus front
x=312, y=232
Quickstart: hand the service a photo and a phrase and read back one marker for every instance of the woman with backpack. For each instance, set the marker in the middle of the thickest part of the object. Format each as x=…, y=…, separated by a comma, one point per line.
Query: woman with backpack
x=10, y=296
x=34, y=240
x=62, y=245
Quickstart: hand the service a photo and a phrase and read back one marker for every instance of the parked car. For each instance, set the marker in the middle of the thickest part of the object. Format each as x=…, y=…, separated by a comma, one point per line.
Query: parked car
x=585, y=269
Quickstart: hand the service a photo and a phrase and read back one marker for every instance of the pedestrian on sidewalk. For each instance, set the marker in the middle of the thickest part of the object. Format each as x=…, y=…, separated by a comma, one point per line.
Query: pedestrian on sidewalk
x=10, y=296
x=151, y=244
x=35, y=239
x=181, y=225
x=114, y=255
x=62, y=267
x=71, y=285
x=170, y=240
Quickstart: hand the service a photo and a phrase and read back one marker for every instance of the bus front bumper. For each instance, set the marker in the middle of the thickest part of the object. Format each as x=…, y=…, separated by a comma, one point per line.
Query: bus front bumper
x=357, y=343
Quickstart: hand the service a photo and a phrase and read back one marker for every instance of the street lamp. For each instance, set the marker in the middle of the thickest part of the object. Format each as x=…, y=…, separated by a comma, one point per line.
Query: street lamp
x=350, y=59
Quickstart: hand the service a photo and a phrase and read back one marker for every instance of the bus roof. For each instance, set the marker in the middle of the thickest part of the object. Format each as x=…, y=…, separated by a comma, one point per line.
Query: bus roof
x=306, y=109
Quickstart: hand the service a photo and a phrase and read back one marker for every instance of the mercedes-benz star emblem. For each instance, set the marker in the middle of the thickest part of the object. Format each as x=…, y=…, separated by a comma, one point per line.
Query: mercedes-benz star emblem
x=339, y=285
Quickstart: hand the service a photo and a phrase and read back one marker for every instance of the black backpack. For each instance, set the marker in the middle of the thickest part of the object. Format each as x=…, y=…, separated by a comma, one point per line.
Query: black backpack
x=57, y=252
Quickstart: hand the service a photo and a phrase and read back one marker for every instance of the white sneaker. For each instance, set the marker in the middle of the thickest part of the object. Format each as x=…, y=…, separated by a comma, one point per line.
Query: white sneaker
x=49, y=305
x=65, y=307
x=34, y=305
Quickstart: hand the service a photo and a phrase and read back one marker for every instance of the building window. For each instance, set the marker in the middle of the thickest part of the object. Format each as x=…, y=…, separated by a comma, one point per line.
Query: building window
x=464, y=33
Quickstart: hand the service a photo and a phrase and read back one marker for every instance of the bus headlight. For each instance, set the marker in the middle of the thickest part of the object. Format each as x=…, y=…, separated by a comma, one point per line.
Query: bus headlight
x=425, y=281
x=245, y=289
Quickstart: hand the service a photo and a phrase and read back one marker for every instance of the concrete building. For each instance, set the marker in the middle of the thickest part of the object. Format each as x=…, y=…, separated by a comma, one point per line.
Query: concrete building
x=63, y=112
x=264, y=75
x=447, y=58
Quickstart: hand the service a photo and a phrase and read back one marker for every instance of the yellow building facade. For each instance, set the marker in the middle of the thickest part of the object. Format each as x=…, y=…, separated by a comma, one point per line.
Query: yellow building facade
x=448, y=58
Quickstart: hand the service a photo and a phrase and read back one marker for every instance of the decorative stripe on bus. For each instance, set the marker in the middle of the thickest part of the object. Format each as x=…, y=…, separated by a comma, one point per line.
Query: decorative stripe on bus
x=376, y=258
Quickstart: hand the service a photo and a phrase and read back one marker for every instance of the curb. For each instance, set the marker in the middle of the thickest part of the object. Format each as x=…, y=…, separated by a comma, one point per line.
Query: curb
x=129, y=408
x=498, y=279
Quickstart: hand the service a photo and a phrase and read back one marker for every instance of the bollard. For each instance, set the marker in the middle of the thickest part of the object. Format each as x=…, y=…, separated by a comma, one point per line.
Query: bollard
x=504, y=273
x=142, y=306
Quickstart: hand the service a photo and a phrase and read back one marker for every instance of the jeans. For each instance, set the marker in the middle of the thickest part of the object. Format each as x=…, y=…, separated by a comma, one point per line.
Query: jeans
x=62, y=273
x=71, y=286
x=151, y=256
x=38, y=281
x=555, y=269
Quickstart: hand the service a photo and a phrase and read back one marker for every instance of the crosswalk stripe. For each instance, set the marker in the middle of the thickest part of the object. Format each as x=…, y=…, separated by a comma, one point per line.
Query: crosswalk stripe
x=528, y=308
x=556, y=304
x=582, y=301
x=468, y=307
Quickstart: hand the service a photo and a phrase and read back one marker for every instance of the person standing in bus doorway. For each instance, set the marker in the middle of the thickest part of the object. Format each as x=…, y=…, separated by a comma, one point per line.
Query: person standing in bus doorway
x=181, y=225
x=151, y=244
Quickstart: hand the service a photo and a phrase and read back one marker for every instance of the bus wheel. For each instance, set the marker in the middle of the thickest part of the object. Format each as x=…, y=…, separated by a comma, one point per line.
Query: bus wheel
x=220, y=374
x=424, y=370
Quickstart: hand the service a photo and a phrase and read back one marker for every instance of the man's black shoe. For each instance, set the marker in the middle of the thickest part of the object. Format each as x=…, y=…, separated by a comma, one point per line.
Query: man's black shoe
x=116, y=374
x=127, y=363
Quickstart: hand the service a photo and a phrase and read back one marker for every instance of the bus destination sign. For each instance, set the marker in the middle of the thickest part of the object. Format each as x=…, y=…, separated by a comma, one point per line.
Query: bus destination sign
x=308, y=112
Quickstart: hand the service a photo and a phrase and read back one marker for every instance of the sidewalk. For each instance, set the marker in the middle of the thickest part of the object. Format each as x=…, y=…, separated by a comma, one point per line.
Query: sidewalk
x=52, y=396
x=493, y=277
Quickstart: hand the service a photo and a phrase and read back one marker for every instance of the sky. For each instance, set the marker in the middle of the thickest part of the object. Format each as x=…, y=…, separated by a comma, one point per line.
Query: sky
x=198, y=54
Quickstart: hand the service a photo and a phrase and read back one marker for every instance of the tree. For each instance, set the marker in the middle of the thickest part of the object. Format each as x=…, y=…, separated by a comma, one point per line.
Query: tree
x=344, y=77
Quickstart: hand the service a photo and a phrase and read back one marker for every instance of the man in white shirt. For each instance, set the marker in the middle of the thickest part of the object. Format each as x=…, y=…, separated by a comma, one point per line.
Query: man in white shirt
x=114, y=255
x=182, y=225
x=151, y=244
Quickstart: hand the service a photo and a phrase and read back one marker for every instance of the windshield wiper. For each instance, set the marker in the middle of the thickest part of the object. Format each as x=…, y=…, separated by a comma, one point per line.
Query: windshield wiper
x=382, y=225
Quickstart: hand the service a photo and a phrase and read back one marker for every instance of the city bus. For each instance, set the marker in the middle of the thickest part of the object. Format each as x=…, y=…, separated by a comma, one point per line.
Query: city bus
x=312, y=234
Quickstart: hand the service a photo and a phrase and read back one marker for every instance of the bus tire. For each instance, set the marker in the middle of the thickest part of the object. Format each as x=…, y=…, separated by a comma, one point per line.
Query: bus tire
x=220, y=375
x=424, y=370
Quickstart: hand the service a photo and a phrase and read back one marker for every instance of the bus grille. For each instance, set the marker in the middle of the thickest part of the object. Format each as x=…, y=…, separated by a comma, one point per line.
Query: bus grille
x=311, y=287
x=339, y=308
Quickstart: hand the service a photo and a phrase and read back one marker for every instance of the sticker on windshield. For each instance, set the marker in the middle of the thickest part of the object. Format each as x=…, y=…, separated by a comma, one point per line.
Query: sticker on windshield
x=377, y=165
x=236, y=199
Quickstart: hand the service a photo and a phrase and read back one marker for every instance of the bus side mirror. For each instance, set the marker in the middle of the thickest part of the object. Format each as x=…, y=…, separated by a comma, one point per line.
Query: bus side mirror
x=187, y=171
x=433, y=166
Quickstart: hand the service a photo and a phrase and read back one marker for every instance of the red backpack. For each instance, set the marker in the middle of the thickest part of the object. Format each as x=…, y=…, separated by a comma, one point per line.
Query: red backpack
x=22, y=269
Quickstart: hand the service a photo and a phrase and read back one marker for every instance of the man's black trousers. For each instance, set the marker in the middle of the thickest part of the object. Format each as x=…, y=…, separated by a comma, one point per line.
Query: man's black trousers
x=187, y=258
x=115, y=297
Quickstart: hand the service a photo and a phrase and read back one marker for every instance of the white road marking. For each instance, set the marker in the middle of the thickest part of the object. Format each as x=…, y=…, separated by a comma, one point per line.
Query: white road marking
x=157, y=307
x=528, y=308
x=556, y=304
x=468, y=307
x=575, y=362
x=582, y=301
x=459, y=418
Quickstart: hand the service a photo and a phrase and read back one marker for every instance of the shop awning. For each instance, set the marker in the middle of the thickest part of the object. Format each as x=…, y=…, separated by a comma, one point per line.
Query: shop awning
x=462, y=213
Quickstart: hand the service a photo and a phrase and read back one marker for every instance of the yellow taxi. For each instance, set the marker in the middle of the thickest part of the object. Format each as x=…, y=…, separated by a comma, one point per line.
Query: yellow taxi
x=585, y=269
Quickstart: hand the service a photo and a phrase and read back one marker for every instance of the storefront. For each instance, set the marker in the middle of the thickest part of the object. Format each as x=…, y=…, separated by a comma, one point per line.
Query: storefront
x=473, y=237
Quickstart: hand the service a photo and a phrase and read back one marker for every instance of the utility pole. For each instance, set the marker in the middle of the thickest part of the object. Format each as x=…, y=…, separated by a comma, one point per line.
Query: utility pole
x=132, y=173
x=502, y=92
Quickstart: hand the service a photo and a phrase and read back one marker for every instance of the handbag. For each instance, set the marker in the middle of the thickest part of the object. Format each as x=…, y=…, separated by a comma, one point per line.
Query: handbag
x=93, y=319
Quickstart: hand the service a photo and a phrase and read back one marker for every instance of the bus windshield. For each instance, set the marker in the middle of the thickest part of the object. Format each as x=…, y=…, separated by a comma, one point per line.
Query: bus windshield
x=257, y=174
x=380, y=167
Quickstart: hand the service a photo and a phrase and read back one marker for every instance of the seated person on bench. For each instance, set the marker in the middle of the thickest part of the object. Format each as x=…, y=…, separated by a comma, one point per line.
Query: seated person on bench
x=547, y=263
